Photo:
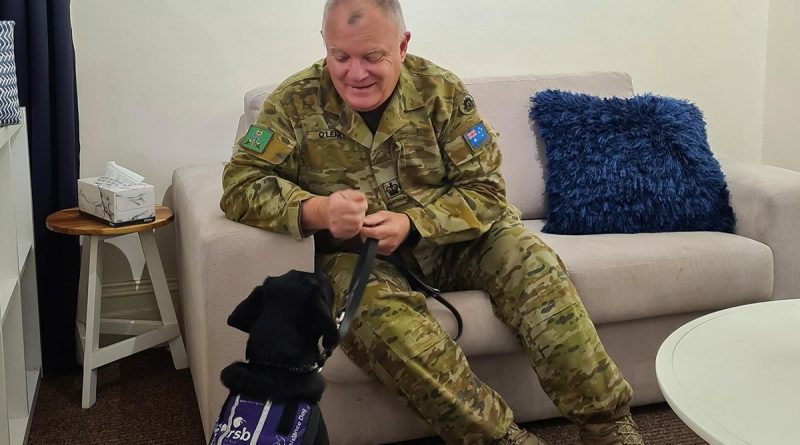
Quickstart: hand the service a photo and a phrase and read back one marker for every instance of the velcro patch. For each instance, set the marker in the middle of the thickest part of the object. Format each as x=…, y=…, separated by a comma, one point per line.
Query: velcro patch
x=476, y=136
x=256, y=139
x=330, y=133
x=467, y=105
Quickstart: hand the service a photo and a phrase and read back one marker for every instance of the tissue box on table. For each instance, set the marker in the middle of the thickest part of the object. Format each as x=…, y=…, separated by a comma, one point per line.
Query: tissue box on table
x=115, y=201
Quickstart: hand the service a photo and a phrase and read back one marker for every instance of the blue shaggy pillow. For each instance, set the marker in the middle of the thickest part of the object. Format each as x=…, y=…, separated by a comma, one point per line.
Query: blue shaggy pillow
x=628, y=165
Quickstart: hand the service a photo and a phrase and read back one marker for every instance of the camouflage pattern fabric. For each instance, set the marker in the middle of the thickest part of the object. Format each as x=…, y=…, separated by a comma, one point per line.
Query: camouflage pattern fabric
x=532, y=294
x=398, y=340
x=418, y=162
x=434, y=159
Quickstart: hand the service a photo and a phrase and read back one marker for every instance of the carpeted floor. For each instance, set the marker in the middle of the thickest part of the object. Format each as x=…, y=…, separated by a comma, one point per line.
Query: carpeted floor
x=143, y=400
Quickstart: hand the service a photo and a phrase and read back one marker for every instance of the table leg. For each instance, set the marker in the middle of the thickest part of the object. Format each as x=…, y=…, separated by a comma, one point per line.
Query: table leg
x=80, y=319
x=153, y=259
x=93, y=297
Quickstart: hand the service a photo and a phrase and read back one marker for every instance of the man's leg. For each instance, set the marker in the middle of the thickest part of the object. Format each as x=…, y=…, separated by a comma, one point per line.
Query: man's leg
x=532, y=294
x=398, y=340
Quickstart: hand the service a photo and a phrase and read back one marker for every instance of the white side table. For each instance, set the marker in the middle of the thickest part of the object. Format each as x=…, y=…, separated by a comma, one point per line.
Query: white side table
x=146, y=334
x=734, y=376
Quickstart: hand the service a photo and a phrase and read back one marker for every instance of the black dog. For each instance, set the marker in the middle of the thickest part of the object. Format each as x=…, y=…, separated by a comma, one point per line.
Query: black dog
x=274, y=395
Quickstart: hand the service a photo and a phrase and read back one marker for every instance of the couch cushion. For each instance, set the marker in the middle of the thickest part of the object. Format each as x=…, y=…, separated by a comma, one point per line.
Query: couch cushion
x=628, y=276
x=505, y=101
x=620, y=277
x=639, y=164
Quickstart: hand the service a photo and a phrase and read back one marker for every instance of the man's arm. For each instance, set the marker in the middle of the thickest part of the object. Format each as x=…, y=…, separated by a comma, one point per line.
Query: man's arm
x=259, y=183
x=476, y=198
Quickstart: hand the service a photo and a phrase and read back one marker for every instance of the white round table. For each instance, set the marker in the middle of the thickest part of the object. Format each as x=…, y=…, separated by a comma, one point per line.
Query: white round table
x=734, y=376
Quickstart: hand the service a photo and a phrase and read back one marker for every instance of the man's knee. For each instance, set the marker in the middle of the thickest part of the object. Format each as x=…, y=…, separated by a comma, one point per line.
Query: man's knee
x=516, y=256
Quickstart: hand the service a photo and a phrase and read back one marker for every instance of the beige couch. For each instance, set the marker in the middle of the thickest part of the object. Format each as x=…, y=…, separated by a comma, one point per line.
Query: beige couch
x=638, y=288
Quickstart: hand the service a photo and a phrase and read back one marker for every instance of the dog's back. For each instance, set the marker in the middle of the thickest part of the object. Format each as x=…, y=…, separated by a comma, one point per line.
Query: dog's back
x=245, y=420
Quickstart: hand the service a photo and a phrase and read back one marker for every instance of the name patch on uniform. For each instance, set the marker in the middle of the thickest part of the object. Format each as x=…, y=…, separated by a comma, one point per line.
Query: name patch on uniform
x=257, y=139
x=476, y=136
x=330, y=133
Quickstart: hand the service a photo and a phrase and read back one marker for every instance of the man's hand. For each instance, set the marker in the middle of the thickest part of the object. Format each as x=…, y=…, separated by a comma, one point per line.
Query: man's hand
x=342, y=213
x=389, y=228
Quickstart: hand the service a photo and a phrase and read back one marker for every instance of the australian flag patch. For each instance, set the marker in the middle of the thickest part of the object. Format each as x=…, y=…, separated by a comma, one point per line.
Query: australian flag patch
x=476, y=136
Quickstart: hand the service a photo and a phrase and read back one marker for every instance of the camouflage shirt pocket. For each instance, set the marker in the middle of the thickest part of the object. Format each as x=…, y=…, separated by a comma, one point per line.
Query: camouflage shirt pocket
x=421, y=170
x=420, y=161
x=328, y=165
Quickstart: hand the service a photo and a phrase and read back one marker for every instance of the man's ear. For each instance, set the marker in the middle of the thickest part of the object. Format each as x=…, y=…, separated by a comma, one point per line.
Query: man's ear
x=247, y=312
x=404, y=45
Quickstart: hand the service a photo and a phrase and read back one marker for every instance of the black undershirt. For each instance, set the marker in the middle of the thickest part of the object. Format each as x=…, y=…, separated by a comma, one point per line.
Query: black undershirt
x=373, y=117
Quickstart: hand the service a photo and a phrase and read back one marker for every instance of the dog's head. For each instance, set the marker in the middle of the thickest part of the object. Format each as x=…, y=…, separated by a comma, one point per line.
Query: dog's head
x=286, y=317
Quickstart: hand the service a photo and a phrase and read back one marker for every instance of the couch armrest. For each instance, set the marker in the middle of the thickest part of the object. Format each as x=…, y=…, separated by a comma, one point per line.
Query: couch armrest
x=766, y=201
x=219, y=263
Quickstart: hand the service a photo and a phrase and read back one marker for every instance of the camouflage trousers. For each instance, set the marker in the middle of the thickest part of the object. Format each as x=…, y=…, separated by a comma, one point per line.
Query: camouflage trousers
x=397, y=339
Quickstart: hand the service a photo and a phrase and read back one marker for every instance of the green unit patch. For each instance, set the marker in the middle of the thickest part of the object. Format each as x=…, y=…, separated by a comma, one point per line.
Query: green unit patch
x=257, y=139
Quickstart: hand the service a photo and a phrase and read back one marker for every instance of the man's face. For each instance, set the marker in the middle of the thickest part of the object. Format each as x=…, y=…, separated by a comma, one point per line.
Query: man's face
x=364, y=58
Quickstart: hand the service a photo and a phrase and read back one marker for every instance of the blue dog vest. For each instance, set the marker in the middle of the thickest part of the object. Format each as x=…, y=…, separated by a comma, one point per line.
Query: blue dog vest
x=253, y=422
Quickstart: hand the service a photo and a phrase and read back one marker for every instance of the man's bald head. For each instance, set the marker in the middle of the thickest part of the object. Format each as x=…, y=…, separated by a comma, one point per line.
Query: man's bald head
x=366, y=48
x=389, y=7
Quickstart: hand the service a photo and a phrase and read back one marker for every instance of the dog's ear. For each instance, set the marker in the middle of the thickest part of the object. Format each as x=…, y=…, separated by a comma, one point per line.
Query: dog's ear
x=325, y=288
x=330, y=332
x=247, y=312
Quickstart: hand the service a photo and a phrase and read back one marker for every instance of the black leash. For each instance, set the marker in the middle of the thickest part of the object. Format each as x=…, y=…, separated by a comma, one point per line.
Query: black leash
x=429, y=291
x=357, y=284
x=352, y=299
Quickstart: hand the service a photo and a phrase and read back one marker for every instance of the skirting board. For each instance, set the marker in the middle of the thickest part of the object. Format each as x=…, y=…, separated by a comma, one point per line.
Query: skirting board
x=135, y=300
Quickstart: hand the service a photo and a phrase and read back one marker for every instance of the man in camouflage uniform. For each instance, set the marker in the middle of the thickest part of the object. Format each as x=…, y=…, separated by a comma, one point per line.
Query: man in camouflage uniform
x=372, y=142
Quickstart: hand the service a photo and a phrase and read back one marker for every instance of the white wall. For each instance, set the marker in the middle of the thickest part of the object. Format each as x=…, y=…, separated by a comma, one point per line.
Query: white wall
x=160, y=82
x=782, y=98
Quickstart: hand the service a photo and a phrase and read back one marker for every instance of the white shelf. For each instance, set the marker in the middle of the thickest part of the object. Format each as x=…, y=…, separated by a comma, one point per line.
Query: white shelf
x=7, y=286
x=24, y=250
x=33, y=376
x=20, y=352
x=7, y=132
x=20, y=427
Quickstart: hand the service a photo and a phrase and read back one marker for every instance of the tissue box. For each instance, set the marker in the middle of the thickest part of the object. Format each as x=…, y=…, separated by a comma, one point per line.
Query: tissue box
x=116, y=202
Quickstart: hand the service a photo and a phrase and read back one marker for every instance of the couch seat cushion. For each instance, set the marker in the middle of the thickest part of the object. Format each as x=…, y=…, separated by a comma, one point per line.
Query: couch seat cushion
x=624, y=277
x=619, y=277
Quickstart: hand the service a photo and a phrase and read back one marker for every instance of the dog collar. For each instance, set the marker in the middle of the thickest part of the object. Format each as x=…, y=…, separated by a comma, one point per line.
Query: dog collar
x=306, y=368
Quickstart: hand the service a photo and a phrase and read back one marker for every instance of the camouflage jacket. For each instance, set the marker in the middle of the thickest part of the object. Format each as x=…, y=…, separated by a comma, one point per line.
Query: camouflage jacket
x=432, y=157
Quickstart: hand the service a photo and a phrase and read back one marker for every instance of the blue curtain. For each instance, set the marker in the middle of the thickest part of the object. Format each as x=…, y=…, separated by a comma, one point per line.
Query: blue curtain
x=45, y=60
